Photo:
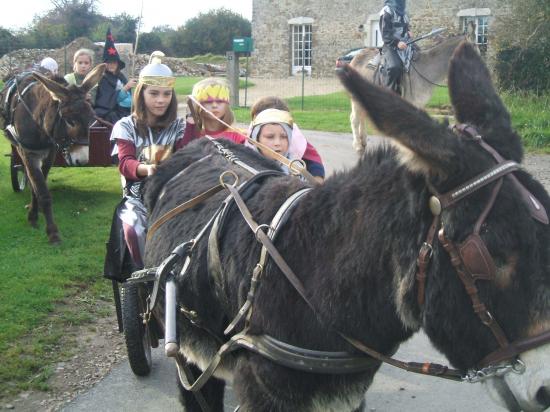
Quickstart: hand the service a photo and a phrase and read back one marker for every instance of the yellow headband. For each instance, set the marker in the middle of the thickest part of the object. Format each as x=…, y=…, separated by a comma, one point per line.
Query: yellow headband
x=211, y=92
x=273, y=116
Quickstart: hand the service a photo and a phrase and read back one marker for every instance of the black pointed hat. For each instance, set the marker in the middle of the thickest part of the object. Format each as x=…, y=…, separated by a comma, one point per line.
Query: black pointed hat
x=110, y=53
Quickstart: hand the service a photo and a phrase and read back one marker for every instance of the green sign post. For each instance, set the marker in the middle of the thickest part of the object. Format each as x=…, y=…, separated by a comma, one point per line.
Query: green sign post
x=242, y=45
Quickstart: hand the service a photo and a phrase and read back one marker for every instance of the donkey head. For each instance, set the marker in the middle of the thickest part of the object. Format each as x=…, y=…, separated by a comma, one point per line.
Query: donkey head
x=73, y=106
x=518, y=295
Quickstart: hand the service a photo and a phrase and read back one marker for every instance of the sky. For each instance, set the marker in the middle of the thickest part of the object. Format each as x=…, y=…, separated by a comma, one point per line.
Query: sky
x=155, y=12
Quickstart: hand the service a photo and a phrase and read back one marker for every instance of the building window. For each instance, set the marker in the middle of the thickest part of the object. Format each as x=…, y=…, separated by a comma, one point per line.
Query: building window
x=480, y=18
x=301, y=48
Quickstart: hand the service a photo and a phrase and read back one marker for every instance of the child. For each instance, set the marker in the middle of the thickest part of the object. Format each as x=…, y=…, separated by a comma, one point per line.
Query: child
x=144, y=139
x=113, y=97
x=83, y=61
x=48, y=66
x=213, y=95
x=299, y=147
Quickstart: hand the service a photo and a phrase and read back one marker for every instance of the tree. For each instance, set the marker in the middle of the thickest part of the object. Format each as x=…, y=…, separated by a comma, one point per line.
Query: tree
x=211, y=32
x=522, y=42
x=78, y=17
x=124, y=28
x=8, y=41
x=157, y=39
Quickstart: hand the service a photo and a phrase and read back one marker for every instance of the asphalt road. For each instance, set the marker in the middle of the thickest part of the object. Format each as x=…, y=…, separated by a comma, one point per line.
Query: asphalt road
x=393, y=390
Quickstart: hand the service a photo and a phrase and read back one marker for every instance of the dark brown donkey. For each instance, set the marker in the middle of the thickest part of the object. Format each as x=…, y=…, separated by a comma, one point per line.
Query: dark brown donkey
x=45, y=116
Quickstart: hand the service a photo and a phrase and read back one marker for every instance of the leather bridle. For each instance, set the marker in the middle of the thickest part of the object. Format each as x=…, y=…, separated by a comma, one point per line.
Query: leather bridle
x=471, y=259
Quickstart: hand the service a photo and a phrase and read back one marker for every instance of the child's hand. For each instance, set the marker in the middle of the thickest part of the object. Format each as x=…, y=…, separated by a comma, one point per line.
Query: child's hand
x=189, y=119
x=151, y=170
x=131, y=83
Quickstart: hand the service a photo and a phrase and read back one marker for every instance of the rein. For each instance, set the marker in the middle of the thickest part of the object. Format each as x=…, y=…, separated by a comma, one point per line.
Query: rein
x=472, y=260
x=425, y=78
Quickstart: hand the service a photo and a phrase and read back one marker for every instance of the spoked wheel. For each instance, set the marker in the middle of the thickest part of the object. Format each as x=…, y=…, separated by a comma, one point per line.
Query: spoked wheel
x=137, y=334
x=18, y=176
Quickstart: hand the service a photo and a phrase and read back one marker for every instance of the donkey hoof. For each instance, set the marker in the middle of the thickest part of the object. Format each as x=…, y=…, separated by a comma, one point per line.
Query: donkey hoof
x=54, y=239
x=360, y=148
x=33, y=223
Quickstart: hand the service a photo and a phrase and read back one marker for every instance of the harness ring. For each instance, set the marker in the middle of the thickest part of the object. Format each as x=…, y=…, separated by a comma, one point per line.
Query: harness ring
x=232, y=173
x=262, y=226
x=294, y=169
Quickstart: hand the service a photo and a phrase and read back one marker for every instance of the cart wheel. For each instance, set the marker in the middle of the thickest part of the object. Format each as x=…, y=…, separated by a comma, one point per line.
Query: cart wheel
x=18, y=176
x=136, y=333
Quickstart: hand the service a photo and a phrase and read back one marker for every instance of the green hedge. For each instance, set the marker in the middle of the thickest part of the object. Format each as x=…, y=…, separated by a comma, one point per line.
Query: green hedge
x=526, y=69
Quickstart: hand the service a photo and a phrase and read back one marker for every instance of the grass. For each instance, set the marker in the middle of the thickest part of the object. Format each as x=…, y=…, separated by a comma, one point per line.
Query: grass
x=531, y=119
x=208, y=58
x=44, y=286
x=530, y=114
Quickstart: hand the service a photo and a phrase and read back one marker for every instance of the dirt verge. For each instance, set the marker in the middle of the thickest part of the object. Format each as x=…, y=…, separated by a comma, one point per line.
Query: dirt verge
x=94, y=347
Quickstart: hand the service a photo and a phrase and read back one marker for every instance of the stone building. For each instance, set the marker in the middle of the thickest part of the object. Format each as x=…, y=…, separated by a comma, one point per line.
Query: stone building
x=292, y=36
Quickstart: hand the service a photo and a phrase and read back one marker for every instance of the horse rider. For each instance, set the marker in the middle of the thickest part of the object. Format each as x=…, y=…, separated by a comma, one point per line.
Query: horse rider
x=394, y=26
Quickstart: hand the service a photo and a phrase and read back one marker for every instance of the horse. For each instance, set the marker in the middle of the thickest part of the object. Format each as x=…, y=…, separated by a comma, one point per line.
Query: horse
x=428, y=69
x=46, y=115
x=374, y=258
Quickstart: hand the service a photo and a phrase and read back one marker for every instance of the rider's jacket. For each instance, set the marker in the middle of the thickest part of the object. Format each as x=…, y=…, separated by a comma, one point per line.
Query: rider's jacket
x=393, y=26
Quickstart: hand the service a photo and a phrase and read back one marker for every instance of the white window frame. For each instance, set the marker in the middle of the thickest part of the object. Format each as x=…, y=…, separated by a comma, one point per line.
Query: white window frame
x=480, y=17
x=301, y=36
x=373, y=35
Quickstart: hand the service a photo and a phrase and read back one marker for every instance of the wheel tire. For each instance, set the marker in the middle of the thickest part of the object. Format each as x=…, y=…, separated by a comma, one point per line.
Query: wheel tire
x=18, y=176
x=136, y=334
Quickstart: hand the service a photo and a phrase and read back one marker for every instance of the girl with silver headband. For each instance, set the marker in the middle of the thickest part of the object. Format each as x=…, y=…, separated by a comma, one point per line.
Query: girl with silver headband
x=143, y=140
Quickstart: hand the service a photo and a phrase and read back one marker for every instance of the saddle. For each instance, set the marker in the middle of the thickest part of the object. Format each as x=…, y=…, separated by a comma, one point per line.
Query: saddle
x=378, y=64
x=8, y=93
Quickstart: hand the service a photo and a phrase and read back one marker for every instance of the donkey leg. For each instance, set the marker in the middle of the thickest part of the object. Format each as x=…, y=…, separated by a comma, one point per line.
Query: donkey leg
x=263, y=386
x=212, y=391
x=32, y=214
x=357, y=128
x=51, y=228
x=41, y=195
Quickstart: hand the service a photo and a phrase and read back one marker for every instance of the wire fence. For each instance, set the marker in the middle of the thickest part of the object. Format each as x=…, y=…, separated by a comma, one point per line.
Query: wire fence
x=319, y=94
x=297, y=91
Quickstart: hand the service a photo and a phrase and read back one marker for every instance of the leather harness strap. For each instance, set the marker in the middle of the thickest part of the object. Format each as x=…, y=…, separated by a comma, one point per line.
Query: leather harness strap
x=469, y=284
x=182, y=208
x=261, y=236
x=423, y=260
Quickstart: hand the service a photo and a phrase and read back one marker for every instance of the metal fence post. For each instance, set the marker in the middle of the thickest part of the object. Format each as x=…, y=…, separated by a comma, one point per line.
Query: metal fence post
x=233, y=76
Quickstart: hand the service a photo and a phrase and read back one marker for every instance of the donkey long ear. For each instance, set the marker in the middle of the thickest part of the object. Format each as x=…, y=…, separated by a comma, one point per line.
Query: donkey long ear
x=93, y=77
x=430, y=147
x=476, y=102
x=472, y=93
x=56, y=90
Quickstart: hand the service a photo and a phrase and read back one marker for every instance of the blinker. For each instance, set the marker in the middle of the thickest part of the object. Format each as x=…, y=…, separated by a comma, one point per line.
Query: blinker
x=435, y=205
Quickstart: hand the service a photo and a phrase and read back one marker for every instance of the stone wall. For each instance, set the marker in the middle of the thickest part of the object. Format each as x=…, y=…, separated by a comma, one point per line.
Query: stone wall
x=20, y=60
x=335, y=28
